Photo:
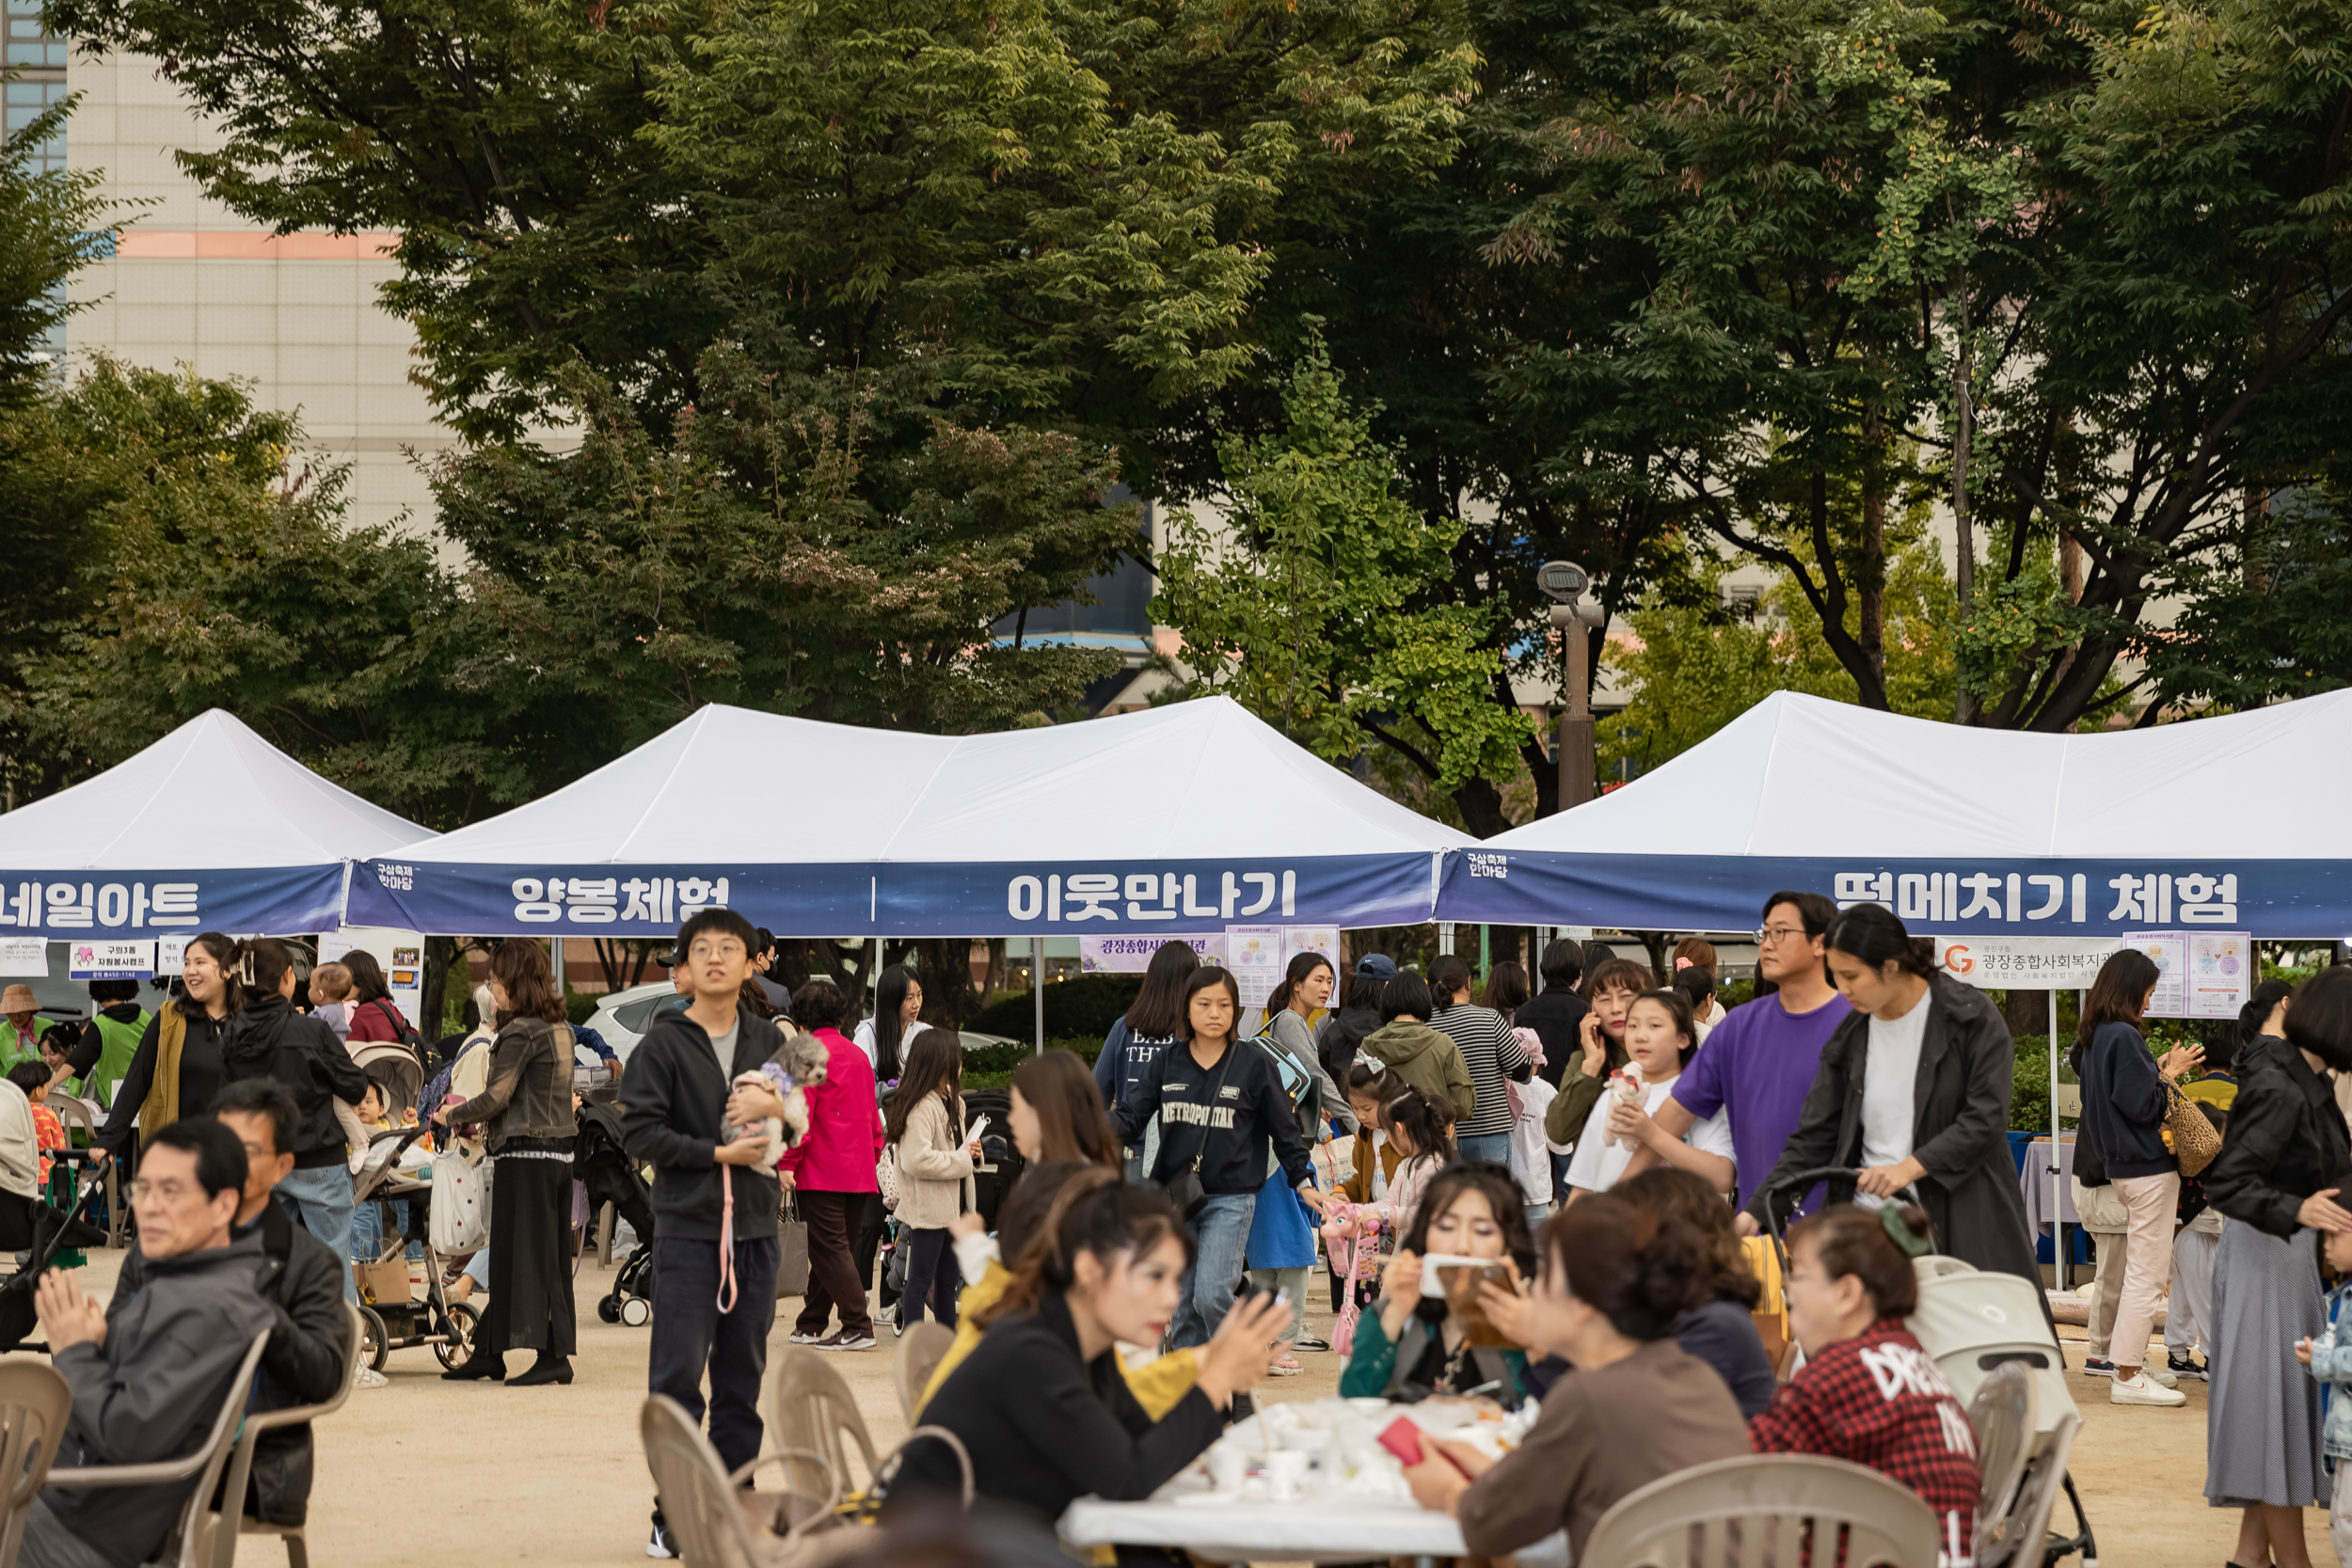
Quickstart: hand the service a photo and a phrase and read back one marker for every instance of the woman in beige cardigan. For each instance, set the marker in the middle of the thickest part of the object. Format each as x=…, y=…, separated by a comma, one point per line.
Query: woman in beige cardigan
x=926, y=1172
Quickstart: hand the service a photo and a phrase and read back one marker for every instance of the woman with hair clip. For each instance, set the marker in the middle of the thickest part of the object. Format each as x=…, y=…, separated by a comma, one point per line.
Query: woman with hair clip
x=1612, y=1283
x=1040, y=1405
x=1851, y=1286
x=2279, y=1179
x=1152, y=1022
x=267, y=1038
x=177, y=1066
x=1419, y=1341
x=1492, y=1052
x=527, y=1109
x=1913, y=1088
x=2126, y=1096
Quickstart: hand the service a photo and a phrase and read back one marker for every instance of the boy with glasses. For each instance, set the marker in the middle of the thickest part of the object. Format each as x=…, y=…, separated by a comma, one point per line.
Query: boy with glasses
x=711, y=1308
x=1760, y=1061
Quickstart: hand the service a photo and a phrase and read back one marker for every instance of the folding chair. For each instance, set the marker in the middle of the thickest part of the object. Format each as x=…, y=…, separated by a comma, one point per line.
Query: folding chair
x=920, y=1352
x=706, y=1510
x=35, y=1404
x=241, y=1464
x=186, y=1545
x=1764, y=1508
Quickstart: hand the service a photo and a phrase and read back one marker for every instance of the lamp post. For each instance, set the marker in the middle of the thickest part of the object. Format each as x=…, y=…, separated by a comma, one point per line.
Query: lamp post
x=1563, y=583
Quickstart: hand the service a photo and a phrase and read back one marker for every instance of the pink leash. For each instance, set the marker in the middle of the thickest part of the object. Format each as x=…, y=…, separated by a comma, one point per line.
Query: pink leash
x=726, y=1239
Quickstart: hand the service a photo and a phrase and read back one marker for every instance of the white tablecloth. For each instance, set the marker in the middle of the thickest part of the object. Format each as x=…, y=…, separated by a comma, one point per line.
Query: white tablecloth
x=1314, y=1530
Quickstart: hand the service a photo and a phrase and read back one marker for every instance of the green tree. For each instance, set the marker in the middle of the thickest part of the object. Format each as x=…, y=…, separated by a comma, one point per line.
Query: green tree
x=1302, y=601
x=224, y=576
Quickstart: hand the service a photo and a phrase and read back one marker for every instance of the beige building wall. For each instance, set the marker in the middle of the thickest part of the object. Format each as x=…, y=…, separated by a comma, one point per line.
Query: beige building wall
x=196, y=284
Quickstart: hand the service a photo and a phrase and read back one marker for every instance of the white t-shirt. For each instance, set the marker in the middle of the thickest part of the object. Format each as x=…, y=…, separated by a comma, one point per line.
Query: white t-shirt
x=864, y=1040
x=1596, y=1166
x=1890, y=1078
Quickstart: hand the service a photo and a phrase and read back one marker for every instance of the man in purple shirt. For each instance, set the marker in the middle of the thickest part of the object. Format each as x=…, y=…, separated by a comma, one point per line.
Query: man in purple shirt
x=1761, y=1059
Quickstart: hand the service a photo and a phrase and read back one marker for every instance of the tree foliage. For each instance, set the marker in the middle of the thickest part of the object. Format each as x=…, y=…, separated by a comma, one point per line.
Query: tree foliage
x=1294, y=601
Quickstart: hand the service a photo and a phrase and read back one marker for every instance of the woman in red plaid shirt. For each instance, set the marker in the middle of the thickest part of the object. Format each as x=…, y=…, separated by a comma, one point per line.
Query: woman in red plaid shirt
x=1869, y=1392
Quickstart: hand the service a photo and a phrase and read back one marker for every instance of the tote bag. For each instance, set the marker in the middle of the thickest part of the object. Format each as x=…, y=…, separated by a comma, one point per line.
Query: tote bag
x=461, y=1209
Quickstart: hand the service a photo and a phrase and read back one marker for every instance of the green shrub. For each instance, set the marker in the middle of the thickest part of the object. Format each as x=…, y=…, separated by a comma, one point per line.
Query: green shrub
x=581, y=1005
x=1084, y=1004
x=993, y=1066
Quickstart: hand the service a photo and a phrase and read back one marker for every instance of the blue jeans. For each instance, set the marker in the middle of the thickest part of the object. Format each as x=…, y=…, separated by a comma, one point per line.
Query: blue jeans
x=1222, y=1229
x=367, y=1231
x=321, y=1199
x=1495, y=1147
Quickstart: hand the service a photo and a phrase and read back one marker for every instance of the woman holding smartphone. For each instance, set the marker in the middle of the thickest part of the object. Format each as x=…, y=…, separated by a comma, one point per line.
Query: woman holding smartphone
x=1417, y=1344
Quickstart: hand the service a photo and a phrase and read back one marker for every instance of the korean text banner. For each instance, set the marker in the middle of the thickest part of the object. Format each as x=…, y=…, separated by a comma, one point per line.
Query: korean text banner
x=2268, y=898
x=284, y=900
x=1013, y=899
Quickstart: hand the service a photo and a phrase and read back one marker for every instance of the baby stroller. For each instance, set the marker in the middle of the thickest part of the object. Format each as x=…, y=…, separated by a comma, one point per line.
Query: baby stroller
x=401, y=1321
x=1975, y=1324
x=612, y=1177
x=394, y=1068
x=53, y=1229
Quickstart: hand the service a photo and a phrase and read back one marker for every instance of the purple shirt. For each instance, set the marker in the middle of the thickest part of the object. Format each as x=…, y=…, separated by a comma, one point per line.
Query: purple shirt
x=1760, y=1061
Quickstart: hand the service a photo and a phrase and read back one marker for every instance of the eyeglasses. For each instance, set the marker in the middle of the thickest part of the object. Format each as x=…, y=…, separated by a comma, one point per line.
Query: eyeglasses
x=144, y=1191
x=1767, y=935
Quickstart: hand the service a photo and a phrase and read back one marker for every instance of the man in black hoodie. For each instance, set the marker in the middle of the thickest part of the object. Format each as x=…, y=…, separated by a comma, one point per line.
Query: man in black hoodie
x=269, y=1040
x=680, y=1114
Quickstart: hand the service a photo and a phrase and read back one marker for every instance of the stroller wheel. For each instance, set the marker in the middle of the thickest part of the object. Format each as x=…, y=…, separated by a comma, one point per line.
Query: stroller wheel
x=376, y=1344
x=460, y=1327
x=609, y=1310
x=637, y=1311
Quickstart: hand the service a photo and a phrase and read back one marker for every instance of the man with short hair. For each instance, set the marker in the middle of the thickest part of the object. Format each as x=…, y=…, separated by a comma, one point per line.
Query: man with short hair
x=300, y=1280
x=1760, y=1061
x=675, y=1114
x=764, y=959
x=149, y=1378
x=1557, y=1015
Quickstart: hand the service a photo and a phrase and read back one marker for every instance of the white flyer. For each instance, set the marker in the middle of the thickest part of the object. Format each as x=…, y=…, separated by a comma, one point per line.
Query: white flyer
x=25, y=957
x=2222, y=970
x=1254, y=954
x=2169, y=949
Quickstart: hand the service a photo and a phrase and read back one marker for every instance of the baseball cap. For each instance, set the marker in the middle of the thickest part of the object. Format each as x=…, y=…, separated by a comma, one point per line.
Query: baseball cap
x=1376, y=966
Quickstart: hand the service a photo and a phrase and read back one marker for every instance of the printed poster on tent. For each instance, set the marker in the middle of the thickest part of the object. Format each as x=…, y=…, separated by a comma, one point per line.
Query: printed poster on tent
x=1132, y=955
x=2169, y=950
x=24, y=958
x=2029, y=963
x=1254, y=954
x=1311, y=938
x=110, y=960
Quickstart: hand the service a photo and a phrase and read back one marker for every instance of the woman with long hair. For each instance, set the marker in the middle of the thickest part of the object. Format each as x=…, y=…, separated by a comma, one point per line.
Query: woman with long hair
x=177, y=1066
x=1613, y=1282
x=1913, y=1088
x=898, y=1018
x=1282, y=1246
x=1040, y=1405
x=527, y=1108
x=1056, y=1114
x=1152, y=1022
x=935, y=1164
x=2188, y=1325
x=1493, y=1054
x=2126, y=1096
x=2280, y=1178
x=373, y=1013
x=1221, y=1106
x=1418, y=1342
x=1506, y=990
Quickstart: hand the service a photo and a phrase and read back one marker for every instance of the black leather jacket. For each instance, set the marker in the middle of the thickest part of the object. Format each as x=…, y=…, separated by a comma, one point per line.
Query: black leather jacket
x=2285, y=1141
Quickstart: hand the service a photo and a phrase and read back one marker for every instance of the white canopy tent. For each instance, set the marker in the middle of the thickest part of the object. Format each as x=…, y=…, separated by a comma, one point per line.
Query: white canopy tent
x=210, y=827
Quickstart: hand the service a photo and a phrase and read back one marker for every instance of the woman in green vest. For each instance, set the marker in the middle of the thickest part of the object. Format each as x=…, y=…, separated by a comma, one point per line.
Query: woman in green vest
x=110, y=1040
x=177, y=1068
x=21, y=1027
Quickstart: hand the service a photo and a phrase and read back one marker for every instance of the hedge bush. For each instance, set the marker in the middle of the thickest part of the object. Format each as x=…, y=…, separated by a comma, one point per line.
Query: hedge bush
x=1080, y=1006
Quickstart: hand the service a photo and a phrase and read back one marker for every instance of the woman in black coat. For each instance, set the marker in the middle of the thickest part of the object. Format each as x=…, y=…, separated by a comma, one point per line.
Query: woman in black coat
x=1040, y=1405
x=1961, y=1063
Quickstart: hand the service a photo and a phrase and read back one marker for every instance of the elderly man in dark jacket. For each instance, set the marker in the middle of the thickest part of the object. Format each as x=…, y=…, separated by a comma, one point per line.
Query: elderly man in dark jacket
x=150, y=1374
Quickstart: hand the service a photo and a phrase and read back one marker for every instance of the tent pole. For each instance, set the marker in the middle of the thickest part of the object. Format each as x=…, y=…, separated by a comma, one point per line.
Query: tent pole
x=2057, y=1216
x=1036, y=983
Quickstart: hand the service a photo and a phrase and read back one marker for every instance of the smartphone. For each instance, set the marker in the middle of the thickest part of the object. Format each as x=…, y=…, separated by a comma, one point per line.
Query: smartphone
x=1402, y=1438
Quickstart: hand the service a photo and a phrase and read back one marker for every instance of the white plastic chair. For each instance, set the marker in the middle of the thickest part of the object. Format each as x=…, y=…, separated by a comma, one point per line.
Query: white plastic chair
x=241, y=1463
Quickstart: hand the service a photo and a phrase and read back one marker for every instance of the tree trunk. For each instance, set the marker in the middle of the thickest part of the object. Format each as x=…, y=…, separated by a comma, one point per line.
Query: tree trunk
x=441, y=957
x=2071, y=568
x=2027, y=1012
x=943, y=969
x=1481, y=804
x=1871, y=589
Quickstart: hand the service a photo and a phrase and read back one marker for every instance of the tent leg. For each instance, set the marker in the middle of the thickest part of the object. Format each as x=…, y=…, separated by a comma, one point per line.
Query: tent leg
x=2061, y=1270
x=1445, y=936
x=1037, y=984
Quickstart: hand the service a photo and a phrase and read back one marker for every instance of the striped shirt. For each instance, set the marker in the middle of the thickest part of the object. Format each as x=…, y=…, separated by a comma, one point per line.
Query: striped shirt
x=1492, y=1052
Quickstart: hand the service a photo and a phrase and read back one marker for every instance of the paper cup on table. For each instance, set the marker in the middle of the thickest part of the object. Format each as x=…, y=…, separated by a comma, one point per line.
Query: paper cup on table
x=1228, y=1467
x=1286, y=1474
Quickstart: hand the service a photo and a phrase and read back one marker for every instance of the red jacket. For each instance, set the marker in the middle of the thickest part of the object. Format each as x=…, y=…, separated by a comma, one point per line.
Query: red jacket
x=1877, y=1400
x=845, y=1125
x=372, y=1020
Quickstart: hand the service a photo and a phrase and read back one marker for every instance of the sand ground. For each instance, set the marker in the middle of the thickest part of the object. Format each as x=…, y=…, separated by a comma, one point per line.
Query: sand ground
x=422, y=1469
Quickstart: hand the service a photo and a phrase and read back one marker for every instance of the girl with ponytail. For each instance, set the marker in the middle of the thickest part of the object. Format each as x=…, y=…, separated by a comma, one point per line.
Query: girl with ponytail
x=1040, y=1405
x=1613, y=1279
x=1914, y=1090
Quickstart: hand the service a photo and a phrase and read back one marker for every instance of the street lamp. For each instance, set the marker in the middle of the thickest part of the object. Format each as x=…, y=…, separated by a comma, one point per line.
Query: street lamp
x=1563, y=583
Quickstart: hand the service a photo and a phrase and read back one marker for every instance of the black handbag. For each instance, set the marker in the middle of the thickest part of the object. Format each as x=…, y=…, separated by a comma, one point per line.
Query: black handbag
x=1183, y=1188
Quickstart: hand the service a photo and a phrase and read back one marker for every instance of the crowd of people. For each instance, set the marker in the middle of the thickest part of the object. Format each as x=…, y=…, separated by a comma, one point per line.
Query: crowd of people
x=1603, y=1150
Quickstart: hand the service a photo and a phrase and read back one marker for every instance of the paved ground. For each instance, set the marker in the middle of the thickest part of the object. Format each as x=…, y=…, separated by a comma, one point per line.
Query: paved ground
x=424, y=1467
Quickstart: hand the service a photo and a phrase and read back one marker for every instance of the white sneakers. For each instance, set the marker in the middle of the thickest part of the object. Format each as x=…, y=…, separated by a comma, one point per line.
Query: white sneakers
x=2145, y=1389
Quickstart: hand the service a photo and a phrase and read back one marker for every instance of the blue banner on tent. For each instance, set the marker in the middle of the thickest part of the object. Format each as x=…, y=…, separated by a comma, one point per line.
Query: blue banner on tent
x=1075, y=898
x=2270, y=898
x=285, y=900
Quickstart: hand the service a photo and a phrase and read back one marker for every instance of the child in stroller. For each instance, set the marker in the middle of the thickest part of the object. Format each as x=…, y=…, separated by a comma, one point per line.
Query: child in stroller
x=612, y=1177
